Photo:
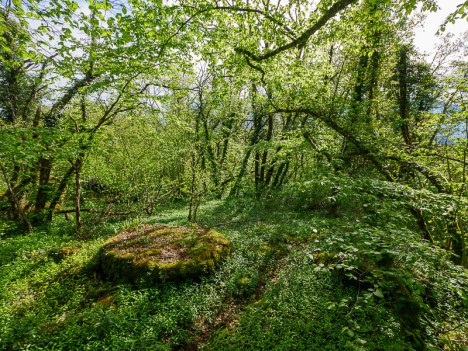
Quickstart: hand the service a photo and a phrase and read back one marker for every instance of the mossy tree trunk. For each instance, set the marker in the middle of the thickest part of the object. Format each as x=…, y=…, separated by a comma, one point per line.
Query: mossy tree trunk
x=195, y=195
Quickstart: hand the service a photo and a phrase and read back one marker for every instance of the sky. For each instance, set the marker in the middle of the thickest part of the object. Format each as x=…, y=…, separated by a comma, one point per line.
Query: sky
x=425, y=37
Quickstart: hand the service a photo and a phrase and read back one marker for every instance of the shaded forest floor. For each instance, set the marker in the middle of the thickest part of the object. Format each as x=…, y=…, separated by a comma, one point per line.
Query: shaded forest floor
x=298, y=279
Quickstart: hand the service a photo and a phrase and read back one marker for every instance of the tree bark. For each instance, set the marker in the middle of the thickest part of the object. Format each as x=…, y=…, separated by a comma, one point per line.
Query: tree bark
x=403, y=96
x=78, y=166
x=14, y=200
x=43, y=192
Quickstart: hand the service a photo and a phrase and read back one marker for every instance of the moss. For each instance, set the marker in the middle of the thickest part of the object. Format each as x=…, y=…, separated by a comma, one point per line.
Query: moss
x=59, y=254
x=325, y=258
x=244, y=281
x=107, y=301
x=159, y=253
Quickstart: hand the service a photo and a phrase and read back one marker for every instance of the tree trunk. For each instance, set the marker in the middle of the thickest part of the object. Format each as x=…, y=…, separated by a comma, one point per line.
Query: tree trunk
x=348, y=149
x=14, y=200
x=59, y=192
x=403, y=96
x=257, y=119
x=78, y=166
x=194, y=191
x=265, y=153
x=43, y=192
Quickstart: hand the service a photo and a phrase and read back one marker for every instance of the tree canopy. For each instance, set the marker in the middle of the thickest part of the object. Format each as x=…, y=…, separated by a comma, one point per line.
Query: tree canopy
x=121, y=109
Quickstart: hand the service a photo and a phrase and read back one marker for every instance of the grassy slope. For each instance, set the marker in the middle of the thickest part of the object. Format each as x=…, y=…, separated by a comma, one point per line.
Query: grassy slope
x=273, y=294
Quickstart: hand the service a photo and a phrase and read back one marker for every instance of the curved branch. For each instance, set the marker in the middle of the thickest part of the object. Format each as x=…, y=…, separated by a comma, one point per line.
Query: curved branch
x=302, y=39
x=52, y=116
x=365, y=151
x=288, y=30
x=368, y=152
x=257, y=68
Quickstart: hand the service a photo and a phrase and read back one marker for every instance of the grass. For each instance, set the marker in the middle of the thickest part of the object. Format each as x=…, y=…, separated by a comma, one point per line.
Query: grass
x=272, y=294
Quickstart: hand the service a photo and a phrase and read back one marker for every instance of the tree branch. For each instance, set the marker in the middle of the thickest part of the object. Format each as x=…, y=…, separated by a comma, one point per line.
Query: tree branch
x=52, y=115
x=365, y=151
x=302, y=39
x=288, y=30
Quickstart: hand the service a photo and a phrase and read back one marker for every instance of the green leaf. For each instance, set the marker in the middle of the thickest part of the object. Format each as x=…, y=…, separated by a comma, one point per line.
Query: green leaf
x=379, y=293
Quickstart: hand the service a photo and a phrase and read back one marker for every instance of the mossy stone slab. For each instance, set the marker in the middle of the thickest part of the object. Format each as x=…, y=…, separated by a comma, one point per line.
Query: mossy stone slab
x=159, y=253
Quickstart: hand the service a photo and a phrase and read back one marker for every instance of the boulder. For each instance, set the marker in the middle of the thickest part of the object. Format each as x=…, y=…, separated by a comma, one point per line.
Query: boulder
x=160, y=253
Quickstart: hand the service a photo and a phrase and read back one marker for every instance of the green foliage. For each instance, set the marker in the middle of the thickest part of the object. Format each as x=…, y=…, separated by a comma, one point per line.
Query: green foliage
x=341, y=152
x=390, y=263
x=300, y=311
x=459, y=13
x=294, y=279
x=376, y=202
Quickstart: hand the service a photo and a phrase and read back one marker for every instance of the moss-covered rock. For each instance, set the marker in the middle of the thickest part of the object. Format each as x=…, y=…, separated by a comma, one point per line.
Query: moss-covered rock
x=58, y=254
x=160, y=253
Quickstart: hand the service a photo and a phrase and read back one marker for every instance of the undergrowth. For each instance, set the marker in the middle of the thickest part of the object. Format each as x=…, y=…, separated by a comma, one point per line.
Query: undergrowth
x=299, y=278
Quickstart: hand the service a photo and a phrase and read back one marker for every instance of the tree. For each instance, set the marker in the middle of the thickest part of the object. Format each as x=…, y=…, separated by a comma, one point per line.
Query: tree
x=314, y=61
x=94, y=74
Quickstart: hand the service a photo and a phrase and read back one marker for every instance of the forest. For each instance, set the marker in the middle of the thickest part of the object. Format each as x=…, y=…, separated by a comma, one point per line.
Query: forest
x=232, y=175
